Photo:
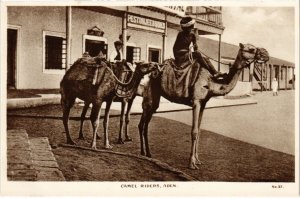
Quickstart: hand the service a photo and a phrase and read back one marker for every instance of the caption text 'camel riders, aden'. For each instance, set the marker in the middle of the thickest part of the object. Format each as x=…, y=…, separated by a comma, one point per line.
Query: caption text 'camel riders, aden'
x=148, y=186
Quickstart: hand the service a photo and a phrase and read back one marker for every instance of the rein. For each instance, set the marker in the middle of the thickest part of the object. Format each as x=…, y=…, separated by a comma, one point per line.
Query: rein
x=118, y=81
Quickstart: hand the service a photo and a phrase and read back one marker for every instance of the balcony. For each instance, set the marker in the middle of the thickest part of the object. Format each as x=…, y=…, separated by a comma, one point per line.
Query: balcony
x=210, y=14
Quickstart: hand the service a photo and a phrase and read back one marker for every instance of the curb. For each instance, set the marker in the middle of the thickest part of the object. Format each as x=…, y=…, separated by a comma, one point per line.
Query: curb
x=162, y=165
x=19, y=103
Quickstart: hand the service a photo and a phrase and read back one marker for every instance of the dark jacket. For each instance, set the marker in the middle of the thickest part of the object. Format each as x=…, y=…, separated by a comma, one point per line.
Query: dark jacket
x=182, y=43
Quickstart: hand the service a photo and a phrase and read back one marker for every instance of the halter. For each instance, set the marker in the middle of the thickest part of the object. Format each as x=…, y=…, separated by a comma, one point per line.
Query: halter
x=120, y=82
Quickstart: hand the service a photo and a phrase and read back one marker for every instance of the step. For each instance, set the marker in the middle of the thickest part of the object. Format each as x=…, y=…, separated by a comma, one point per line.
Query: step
x=44, y=160
x=19, y=160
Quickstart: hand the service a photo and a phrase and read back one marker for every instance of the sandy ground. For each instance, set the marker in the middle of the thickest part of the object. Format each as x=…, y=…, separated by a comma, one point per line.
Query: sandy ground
x=225, y=158
x=270, y=123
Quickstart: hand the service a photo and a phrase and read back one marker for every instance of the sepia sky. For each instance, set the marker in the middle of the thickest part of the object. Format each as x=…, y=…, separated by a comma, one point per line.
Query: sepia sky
x=269, y=27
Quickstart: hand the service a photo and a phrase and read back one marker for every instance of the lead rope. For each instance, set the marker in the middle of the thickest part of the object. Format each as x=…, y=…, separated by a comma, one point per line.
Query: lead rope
x=209, y=57
x=116, y=78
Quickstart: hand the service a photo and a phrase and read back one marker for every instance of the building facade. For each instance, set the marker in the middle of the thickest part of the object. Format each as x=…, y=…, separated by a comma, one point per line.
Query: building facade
x=44, y=41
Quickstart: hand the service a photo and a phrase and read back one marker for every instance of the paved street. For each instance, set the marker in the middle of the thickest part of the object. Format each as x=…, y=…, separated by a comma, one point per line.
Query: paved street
x=269, y=123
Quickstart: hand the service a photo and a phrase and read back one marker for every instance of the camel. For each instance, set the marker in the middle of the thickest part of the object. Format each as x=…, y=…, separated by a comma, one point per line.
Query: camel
x=76, y=84
x=126, y=104
x=204, y=87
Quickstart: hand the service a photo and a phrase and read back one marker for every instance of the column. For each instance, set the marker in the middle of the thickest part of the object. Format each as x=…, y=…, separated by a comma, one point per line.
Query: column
x=261, y=77
x=286, y=77
x=279, y=77
x=271, y=76
x=219, y=53
x=165, y=39
x=293, y=80
x=124, y=34
x=68, y=34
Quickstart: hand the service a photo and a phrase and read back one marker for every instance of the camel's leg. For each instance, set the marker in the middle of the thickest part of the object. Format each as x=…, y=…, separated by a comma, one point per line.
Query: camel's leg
x=82, y=118
x=203, y=104
x=95, y=116
x=127, y=120
x=150, y=104
x=194, y=134
x=143, y=129
x=147, y=121
x=122, y=119
x=141, y=132
x=105, y=124
x=67, y=104
x=148, y=110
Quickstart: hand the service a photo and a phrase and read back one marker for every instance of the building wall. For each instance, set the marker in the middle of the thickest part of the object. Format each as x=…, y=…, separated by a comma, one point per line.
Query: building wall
x=82, y=20
x=171, y=37
x=143, y=39
x=33, y=20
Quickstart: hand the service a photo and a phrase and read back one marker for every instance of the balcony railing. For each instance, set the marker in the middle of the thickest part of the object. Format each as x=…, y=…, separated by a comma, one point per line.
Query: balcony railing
x=212, y=14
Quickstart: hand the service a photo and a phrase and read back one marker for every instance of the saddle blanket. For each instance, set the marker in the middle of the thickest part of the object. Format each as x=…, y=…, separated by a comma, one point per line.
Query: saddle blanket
x=178, y=80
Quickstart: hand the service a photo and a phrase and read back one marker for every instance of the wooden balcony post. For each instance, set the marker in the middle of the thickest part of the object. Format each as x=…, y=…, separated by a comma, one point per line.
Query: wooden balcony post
x=286, y=77
x=261, y=77
x=293, y=80
x=68, y=35
x=271, y=75
x=124, y=34
x=219, y=53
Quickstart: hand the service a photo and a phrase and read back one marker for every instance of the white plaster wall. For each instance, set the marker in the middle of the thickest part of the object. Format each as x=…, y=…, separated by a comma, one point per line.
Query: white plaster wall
x=144, y=38
x=86, y=19
x=33, y=20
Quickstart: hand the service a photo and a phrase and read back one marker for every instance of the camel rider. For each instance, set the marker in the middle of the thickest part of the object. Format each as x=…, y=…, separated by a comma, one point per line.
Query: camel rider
x=116, y=55
x=182, y=46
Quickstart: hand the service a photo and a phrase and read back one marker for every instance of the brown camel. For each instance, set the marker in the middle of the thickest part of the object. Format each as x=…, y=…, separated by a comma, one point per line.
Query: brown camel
x=76, y=83
x=123, y=73
x=204, y=87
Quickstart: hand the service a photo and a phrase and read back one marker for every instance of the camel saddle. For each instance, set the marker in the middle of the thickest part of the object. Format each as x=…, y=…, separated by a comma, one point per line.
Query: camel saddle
x=125, y=91
x=179, y=78
x=88, y=68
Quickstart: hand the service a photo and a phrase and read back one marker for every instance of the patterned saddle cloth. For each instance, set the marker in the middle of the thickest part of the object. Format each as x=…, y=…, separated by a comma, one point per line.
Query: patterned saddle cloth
x=179, y=79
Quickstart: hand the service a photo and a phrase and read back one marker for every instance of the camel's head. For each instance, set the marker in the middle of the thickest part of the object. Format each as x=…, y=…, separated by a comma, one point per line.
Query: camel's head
x=146, y=68
x=249, y=54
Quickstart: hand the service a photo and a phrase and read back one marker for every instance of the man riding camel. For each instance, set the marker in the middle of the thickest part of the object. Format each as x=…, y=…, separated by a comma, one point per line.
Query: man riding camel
x=182, y=46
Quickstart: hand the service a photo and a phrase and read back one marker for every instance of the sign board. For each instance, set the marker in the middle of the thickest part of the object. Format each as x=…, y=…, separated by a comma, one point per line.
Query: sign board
x=178, y=10
x=145, y=23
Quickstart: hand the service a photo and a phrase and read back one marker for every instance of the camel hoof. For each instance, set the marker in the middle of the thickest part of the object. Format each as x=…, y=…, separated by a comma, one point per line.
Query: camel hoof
x=120, y=141
x=148, y=155
x=198, y=162
x=142, y=153
x=81, y=138
x=193, y=166
x=128, y=139
x=97, y=137
x=71, y=142
x=108, y=147
x=94, y=147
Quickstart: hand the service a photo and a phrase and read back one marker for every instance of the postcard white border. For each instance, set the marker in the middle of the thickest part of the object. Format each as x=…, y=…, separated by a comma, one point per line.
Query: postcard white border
x=114, y=188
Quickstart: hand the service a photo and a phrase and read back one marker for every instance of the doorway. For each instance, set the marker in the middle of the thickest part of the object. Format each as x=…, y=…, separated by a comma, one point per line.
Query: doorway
x=94, y=47
x=12, y=35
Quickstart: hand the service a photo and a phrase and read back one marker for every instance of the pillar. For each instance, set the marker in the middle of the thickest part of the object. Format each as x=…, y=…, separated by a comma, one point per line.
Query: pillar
x=271, y=75
x=293, y=79
x=165, y=39
x=68, y=34
x=286, y=77
x=219, y=53
x=124, y=34
x=279, y=76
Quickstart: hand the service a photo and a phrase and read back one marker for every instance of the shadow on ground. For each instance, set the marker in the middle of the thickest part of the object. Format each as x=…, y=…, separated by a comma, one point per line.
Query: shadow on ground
x=225, y=159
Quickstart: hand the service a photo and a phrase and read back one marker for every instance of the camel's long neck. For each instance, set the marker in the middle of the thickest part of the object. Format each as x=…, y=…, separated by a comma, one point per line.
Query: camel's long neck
x=224, y=87
x=133, y=82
